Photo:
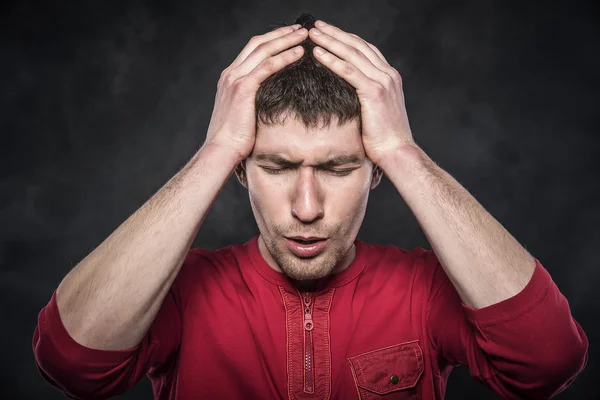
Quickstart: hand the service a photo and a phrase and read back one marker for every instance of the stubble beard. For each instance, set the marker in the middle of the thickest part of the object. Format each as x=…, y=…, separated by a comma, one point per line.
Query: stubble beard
x=300, y=269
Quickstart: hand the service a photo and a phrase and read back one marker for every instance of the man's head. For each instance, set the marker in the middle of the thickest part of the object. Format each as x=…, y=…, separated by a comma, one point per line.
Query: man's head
x=308, y=175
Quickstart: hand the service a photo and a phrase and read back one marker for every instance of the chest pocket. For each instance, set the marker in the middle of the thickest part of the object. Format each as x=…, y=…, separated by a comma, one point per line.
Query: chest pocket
x=391, y=372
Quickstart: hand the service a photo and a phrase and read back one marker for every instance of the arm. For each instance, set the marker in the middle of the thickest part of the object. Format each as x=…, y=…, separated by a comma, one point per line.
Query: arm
x=493, y=306
x=483, y=260
x=109, y=300
x=118, y=314
x=485, y=265
x=525, y=347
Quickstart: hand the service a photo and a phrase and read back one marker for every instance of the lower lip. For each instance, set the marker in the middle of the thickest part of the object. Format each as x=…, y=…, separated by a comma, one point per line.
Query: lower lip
x=306, y=250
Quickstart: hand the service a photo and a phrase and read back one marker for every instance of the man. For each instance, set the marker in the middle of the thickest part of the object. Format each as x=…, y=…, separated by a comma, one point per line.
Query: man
x=304, y=310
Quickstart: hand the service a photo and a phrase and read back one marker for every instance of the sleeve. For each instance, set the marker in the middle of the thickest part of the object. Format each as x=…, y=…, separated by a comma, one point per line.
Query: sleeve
x=525, y=347
x=81, y=372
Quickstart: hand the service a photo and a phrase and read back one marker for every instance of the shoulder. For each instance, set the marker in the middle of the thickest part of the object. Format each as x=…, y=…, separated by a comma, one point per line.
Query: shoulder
x=210, y=272
x=398, y=260
x=206, y=262
x=393, y=254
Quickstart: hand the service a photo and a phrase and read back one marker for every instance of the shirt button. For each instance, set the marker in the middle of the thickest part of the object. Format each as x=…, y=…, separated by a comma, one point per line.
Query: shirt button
x=394, y=379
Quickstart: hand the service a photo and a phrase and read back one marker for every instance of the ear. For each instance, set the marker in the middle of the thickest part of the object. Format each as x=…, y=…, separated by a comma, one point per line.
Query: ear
x=376, y=177
x=240, y=172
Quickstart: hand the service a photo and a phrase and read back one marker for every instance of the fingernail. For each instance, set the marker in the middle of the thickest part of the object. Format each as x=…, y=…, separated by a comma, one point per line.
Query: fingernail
x=301, y=31
x=296, y=26
x=316, y=31
x=319, y=51
x=320, y=24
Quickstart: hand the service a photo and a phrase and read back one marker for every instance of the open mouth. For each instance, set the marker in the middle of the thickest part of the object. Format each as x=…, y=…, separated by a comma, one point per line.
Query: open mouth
x=305, y=248
x=306, y=241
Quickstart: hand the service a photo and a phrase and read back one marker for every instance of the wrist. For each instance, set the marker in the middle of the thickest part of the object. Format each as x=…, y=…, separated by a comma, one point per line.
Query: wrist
x=226, y=154
x=404, y=156
x=212, y=162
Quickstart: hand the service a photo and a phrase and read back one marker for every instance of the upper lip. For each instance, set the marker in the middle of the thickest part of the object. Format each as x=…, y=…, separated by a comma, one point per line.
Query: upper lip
x=305, y=238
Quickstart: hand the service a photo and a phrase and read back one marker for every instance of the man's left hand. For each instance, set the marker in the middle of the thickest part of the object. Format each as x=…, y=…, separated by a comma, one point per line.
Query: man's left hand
x=385, y=126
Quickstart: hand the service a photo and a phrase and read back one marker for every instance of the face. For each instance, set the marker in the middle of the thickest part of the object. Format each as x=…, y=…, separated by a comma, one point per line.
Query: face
x=308, y=183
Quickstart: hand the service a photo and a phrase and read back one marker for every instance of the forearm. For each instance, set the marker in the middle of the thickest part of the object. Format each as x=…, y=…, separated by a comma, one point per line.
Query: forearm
x=485, y=263
x=110, y=299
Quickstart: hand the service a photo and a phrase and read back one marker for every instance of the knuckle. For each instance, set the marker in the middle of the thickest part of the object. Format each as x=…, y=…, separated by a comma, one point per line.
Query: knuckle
x=378, y=90
x=225, y=72
x=395, y=75
x=388, y=81
x=224, y=75
x=255, y=39
x=261, y=48
x=347, y=69
x=269, y=65
x=227, y=78
x=239, y=85
x=287, y=56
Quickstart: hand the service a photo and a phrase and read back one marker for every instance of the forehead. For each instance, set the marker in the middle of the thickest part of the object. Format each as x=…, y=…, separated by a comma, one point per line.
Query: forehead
x=295, y=140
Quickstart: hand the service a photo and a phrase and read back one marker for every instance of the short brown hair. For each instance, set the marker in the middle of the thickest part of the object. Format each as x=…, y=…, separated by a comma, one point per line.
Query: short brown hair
x=308, y=90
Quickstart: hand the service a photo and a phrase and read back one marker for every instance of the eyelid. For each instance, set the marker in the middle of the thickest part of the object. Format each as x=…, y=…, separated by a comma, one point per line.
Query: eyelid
x=278, y=166
x=342, y=172
x=274, y=170
x=333, y=169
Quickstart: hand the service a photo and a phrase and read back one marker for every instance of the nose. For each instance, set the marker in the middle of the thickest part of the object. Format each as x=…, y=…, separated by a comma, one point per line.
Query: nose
x=307, y=201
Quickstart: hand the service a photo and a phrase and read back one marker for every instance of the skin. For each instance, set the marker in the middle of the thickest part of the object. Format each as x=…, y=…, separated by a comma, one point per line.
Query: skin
x=310, y=202
x=110, y=299
x=485, y=263
x=308, y=199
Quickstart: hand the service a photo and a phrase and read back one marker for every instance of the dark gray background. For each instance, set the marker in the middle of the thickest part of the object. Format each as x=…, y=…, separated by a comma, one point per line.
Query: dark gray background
x=103, y=101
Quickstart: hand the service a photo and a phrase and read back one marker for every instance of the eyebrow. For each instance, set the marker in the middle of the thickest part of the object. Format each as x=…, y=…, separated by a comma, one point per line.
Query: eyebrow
x=334, y=161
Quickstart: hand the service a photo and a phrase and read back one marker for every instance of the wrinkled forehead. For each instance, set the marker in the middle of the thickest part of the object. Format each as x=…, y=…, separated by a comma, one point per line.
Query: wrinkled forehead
x=295, y=140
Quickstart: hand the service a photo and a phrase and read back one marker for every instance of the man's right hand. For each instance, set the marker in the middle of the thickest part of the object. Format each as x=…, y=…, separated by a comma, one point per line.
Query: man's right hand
x=233, y=121
x=111, y=298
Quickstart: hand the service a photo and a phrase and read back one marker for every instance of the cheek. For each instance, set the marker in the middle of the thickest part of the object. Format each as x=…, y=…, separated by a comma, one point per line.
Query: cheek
x=266, y=197
x=348, y=198
x=351, y=187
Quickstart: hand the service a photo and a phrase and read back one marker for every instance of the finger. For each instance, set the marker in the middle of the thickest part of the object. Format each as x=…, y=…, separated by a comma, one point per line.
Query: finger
x=259, y=39
x=350, y=54
x=271, y=65
x=375, y=49
x=351, y=39
x=352, y=74
x=268, y=49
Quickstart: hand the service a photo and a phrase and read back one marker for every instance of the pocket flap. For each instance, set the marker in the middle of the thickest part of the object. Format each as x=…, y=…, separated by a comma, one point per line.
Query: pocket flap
x=390, y=368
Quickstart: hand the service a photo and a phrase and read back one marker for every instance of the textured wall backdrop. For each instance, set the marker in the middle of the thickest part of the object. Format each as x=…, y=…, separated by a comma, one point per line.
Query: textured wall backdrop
x=103, y=101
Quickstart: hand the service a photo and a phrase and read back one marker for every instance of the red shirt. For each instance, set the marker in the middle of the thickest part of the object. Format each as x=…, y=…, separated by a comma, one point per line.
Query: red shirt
x=231, y=327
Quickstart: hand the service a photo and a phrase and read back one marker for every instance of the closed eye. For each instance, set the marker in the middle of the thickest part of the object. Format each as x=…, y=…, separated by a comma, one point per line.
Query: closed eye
x=275, y=170
x=340, y=172
x=337, y=172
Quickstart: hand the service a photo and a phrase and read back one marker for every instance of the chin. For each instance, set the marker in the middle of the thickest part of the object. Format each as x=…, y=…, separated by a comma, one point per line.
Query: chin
x=304, y=275
x=302, y=269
